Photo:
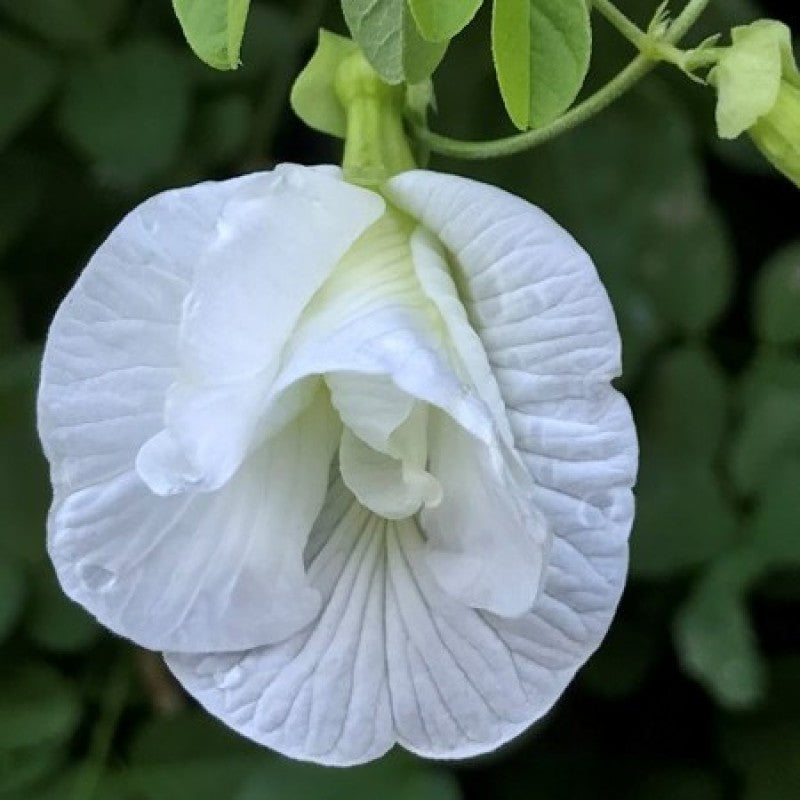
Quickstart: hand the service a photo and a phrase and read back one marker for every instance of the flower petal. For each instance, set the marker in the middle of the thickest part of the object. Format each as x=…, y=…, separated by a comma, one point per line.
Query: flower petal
x=391, y=657
x=530, y=291
x=272, y=248
x=386, y=471
x=112, y=348
x=487, y=543
x=111, y=356
x=202, y=572
x=433, y=272
x=537, y=304
x=373, y=319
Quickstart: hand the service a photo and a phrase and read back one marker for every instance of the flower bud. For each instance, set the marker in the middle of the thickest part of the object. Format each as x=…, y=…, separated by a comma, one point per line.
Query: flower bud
x=758, y=87
x=777, y=134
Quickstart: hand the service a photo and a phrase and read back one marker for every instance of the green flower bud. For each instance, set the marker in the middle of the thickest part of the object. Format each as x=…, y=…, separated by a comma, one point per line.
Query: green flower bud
x=777, y=134
x=758, y=89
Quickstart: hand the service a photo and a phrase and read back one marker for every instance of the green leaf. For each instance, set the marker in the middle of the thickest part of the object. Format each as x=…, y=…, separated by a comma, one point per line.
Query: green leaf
x=37, y=706
x=441, y=20
x=69, y=23
x=214, y=29
x=22, y=767
x=683, y=519
x=686, y=266
x=768, y=436
x=313, y=96
x=777, y=297
x=128, y=110
x=683, y=413
x=386, y=32
x=770, y=369
x=27, y=79
x=774, y=531
x=714, y=637
x=541, y=52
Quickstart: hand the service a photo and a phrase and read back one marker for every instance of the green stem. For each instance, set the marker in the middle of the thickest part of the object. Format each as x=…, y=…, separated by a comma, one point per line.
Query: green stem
x=614, y=89
x=652, y=43
x=375, y=145
x=630, y=30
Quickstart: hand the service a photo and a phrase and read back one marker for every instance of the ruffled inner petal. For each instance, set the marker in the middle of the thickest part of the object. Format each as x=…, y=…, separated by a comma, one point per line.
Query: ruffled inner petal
x=273, y=247
x=488, y=546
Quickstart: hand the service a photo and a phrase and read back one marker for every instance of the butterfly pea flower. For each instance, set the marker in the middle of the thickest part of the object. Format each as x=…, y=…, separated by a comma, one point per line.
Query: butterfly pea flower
x=758, y=87
x=350, y=458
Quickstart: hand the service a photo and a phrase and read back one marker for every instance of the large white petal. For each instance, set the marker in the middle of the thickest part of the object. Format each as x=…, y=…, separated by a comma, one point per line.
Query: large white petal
x=537, y=304
x=392, y=657
x=111, y=356
x=529, y=289
x=112, y=351
x=202, y=572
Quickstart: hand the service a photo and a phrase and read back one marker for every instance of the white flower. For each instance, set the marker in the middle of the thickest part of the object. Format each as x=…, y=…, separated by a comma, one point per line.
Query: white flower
x=353, y=463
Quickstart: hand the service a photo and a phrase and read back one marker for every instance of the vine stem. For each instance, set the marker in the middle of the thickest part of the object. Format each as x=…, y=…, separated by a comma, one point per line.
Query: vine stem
x=614, y=89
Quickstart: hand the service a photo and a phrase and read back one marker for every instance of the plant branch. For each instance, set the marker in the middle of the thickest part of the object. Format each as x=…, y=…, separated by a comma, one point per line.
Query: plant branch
x=604, y=97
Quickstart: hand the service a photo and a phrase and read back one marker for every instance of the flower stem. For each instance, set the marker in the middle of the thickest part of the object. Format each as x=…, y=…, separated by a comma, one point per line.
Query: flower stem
x=604, y=97
x=629, y=29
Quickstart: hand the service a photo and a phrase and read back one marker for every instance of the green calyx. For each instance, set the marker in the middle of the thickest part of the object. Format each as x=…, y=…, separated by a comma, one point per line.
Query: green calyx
x=749, y=74
x=375, y=144
x=339, y=93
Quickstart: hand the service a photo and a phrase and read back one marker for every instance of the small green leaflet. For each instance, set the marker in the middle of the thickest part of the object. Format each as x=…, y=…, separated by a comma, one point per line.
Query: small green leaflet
x=441, y=20
x=214, y=29
x=541, y=52
x=387, y=33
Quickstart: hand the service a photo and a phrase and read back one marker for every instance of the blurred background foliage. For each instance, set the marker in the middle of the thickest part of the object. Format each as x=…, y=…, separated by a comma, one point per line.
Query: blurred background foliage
x=695, y=694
